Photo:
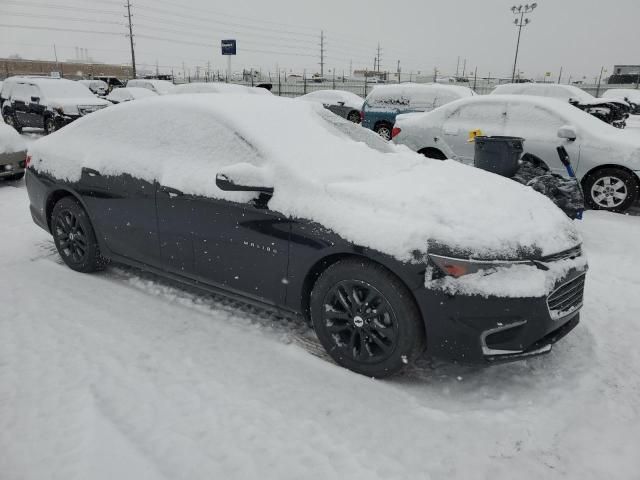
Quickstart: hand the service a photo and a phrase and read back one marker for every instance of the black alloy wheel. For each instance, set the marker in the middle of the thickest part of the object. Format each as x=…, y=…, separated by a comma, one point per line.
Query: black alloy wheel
x=366, y=318
x=74, y=237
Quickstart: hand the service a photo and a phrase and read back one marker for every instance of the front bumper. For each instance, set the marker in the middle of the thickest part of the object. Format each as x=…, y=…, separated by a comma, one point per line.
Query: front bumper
x=480, y=330
x=12, y=164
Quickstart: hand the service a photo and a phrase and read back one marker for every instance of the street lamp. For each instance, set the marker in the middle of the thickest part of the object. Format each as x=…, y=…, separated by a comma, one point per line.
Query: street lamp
x=520, y=11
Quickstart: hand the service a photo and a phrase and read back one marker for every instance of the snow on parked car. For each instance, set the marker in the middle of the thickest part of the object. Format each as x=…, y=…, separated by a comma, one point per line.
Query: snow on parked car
x=367, y=238
x=99, y=87
x=13, y=151
x=126, y=94
x=218, y=87
x=385, y=102
x=606, y=159
x=345, y=104
x=631, y=96
x=161, y=87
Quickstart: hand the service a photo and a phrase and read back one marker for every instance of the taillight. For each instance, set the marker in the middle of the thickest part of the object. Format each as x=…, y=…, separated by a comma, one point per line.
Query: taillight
x=395, y=132
x=27, y=161
x=362, y=116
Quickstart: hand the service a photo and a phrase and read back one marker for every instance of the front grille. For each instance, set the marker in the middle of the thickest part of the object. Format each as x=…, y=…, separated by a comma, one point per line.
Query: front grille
x=567, y=298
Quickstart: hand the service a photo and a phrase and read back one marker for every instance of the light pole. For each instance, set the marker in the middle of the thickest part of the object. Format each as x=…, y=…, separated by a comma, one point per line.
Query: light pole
x=520, y=11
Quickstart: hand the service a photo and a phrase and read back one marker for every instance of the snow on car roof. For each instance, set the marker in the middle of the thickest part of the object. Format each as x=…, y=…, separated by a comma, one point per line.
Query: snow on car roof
x=350, y=99
x=10, y=140
x=551, y=90
x=218, y=87
x=417, y=88
x=395, y=202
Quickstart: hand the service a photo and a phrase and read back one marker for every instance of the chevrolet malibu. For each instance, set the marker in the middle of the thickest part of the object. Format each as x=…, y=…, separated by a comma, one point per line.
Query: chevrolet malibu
x=386, y=254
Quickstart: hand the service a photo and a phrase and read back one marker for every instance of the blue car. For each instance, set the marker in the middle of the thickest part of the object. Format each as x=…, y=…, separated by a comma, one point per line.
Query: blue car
x=385, y=102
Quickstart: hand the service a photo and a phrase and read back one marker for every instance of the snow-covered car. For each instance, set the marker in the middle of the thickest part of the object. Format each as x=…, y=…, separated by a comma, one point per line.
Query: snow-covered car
x=99, y=87
x=126, y=94
x=606, y=160
x=385, y=251
x=385, y=102
x=346, y=104
x=13, y=151
x=218, y=87
x=161, y=87
x=612, y=111
x=49, y=103
x=631, y=96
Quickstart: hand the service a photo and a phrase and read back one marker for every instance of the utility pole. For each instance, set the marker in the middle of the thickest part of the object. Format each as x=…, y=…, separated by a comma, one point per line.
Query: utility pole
x=560, y=75
x=398, y=71
x=522, y=22
x=378, y=57
x=475, y=78
x=133, y=52
x=350, y=68
x=464, y=68
x=458, y=66
x=157, y=68
x=322, y=54
x=602, y=70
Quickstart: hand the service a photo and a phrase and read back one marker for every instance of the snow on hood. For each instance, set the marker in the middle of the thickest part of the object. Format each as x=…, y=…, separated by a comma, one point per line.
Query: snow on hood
x=10, y=140
x=333, y=97
x=386, y=198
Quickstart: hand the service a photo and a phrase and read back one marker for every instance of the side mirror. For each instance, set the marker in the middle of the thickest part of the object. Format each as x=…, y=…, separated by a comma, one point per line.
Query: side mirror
x=35, y=99
x=341, y=104
x=243, y=177
x=567, y=132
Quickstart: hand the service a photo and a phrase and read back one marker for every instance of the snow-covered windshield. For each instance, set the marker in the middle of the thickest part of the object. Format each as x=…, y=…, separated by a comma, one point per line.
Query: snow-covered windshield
x=355, y=132
x=64, y=89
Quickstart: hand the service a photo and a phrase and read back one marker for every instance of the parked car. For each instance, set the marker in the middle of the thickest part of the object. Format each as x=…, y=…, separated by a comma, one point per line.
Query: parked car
x=605, y=159
x=218, y=87
x=345, y=104
x=127, y=94
x=98, y=87
x=386, y=101
x=13, y=151
x=112, y=82
x=49, y=103
x=161, y=87
x=612, y=111
x=384, y=251
x=631, y=96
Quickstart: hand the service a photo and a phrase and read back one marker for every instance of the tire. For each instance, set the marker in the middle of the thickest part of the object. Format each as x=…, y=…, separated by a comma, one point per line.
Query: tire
x=11, y=120
x=15, y=177
x=354, y=117
x=376, y=342
x=74, y=236
x=434, y=153
x=50, y=125
x=384, y=130
x=611, y=189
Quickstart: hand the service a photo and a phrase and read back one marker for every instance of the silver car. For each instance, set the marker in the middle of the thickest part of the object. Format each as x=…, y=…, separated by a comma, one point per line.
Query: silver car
x=605, y=159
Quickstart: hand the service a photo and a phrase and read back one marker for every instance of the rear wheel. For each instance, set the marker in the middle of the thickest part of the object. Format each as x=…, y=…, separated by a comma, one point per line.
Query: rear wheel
x=50, y=124
x=434, y=153
x=74, y=236
x=384, y=130
x=612, y=189
x=366, y=319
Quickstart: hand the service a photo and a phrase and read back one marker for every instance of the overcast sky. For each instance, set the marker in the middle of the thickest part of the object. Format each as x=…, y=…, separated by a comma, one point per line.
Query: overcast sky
x=579, y=35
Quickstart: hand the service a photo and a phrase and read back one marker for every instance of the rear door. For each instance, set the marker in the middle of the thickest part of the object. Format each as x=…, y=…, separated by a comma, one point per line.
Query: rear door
x=21, y=97
x=489, y=117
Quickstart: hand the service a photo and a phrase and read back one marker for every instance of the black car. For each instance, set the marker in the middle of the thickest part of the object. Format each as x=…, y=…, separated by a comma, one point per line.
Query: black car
x=374, y=313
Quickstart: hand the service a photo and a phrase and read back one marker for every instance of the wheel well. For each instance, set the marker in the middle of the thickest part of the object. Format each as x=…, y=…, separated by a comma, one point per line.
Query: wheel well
x=380, y=123
x=433, y=152
x=51, y=202
x=321, y=265
x=610, y=165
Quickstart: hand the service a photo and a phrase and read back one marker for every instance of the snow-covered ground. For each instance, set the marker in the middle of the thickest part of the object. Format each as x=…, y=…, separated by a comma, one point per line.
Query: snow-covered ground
x=121, y=375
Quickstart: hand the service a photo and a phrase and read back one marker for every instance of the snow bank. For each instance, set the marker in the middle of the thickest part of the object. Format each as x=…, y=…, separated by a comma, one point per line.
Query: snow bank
x=10, y=140
x=323, y=168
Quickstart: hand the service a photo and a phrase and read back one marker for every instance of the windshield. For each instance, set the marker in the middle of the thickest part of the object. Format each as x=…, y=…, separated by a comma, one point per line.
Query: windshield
x=355, y=132
x=64, y=89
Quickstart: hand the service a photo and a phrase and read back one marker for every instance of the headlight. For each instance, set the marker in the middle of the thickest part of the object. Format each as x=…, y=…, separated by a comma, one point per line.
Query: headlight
x=457, y=267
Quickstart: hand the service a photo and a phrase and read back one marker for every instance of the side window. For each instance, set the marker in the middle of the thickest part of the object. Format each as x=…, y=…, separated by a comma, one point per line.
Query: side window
x=531, y=121
x=483, y=113
x=423, y=101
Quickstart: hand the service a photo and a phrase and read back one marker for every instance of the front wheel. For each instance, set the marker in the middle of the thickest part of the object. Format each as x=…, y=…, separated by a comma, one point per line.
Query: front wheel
x=611, y=189
x=354, y=117
x=10, y=119
x=74, y=236
x=50, y=125
x=366, y=319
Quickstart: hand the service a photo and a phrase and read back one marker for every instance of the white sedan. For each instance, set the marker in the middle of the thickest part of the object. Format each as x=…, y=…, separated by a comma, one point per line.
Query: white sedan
x=606, y=159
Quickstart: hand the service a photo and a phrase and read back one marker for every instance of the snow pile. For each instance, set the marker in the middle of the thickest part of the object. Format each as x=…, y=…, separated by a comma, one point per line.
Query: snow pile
x=333, y=97
x=217, y=87
x=514, y=281
x=374, y=194
x=414, y=96
x=10, y=140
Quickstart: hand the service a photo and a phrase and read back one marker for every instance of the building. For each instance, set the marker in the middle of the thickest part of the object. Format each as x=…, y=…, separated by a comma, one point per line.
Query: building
x=70, y=69
x=625, y=74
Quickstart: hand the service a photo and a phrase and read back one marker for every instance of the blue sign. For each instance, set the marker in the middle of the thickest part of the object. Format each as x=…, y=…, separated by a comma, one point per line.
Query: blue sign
x=228, y=47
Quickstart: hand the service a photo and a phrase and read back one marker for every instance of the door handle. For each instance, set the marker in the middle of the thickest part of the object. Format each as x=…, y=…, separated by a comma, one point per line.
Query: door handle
x=172, y=192
x=91, y=172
